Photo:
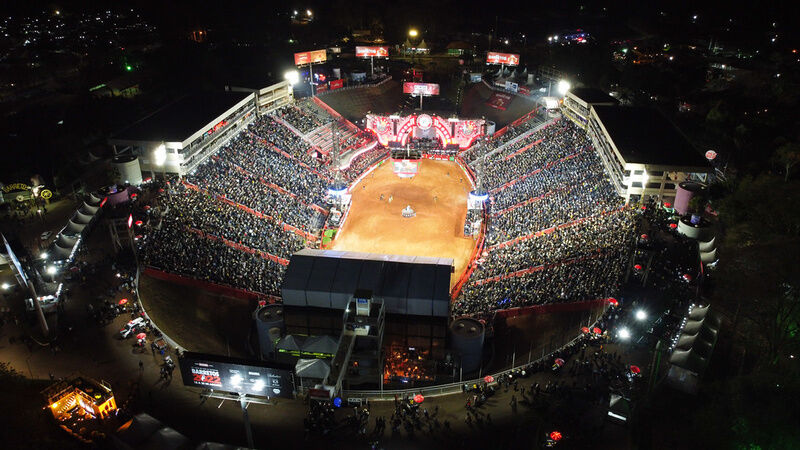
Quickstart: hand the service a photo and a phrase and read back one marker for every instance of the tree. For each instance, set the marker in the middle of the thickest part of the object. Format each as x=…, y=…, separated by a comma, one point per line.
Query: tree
x=787, y=156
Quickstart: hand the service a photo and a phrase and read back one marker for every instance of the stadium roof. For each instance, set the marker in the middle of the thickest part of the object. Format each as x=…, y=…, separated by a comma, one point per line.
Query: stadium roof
x=592, y=95
x=644, y=136
x=180, y=119
x=408, y=284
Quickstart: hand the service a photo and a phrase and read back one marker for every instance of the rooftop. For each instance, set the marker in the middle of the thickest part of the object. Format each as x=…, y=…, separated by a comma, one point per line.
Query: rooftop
x=182, y=118
x=644, y=136
x=592, y=95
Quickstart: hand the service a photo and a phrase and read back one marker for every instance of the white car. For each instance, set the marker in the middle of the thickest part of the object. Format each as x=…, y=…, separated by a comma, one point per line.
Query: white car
x=132, y=327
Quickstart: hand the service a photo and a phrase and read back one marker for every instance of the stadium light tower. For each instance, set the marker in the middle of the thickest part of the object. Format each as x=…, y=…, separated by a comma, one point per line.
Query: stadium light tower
x=292, y=76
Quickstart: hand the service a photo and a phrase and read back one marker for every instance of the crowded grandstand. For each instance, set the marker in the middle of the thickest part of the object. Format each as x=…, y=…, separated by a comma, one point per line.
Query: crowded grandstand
x=556, y=230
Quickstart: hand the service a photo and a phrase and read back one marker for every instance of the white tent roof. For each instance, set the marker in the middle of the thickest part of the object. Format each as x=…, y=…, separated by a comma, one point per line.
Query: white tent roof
x=73, y=228
x=66, y=241
x=94, y=200
x=139, y=429
x=81, y=218
x=688, y=360
x=321, y=344
x=165, y=439
x=312, y=368
x=60, y=253
x=89, y=208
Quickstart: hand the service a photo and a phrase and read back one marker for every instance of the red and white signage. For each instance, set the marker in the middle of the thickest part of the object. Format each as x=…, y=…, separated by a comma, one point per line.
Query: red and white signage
x=509, y=59
x=377, y=52
x=312, y=57
x=710, y=155
x=425, y=89
x=337, y=84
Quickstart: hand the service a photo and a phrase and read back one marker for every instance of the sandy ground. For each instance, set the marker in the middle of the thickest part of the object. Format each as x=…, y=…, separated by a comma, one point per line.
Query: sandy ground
x=438, y=193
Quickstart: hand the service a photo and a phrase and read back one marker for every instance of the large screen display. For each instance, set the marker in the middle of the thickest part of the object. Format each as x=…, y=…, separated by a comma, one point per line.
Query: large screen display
x=425, y=89
x=312, y=57
x=405, y=167
x=235, y=375
x=378, y=52
x=509, y=59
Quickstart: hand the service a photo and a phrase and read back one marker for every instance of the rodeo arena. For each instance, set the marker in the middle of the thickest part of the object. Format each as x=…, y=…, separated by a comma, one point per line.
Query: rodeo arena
x=364, y=266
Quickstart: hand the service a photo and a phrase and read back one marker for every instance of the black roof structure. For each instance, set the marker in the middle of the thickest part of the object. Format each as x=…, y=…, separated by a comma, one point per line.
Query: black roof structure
x=592, y=95
x=182, y=118
x=644, y=136
x=408, y=285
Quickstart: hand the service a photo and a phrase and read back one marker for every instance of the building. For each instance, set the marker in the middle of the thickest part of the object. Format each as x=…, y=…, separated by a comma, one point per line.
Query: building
x=273, y=97
x=181, y=135
x=644, y=154
x=79, y=393
x=579, y=101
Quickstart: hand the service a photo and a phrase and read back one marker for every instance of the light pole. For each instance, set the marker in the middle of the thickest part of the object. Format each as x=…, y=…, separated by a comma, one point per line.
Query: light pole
x=51, y=270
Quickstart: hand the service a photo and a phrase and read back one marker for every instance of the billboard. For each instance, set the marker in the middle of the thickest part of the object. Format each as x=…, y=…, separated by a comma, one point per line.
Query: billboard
x=236, y=375
x=377, y=52
x=312, y=57
x=425, y=89
x=405, y=168
x=509, y=59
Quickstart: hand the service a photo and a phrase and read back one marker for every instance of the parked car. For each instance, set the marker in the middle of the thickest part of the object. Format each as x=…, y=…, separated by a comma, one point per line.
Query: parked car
x=132, y=327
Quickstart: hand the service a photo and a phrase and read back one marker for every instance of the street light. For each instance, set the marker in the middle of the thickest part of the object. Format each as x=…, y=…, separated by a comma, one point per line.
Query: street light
x=44, y=255
x=6, y=286
x=51, y=270
x=292, y=76
x=641, y=315
x=413, y=32
x=624, y=334
x=563, y=87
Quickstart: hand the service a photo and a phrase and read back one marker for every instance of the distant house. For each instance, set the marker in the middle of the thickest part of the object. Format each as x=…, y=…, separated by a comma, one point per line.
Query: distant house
x=126, y=86
x=459, y=48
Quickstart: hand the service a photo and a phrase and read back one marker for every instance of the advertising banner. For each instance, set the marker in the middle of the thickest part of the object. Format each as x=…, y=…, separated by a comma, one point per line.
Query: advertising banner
x=312, y=57
x=337, y=84
x=222, y=373
x=509, y=59
x=425, y=89
x=511, y=86
x=377, y=52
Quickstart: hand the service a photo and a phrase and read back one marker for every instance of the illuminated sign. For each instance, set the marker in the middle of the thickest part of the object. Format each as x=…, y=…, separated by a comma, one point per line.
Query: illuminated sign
x=130, y=220
x=337, y=84
x=509, y=59
x=462, y=132
x=312, y=57
x=367, y=52
x=16, y=187
x=424, y=89
x=236, y=375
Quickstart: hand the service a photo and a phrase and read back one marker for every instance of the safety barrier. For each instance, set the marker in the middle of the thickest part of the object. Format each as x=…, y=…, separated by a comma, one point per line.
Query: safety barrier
x=240, y=247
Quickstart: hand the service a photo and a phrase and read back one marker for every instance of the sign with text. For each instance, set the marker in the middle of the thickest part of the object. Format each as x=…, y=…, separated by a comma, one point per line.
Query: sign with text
x=509, y=59
x=312, y=57
x=377, y=52
x=424, y=89
x=337, y=84
x=222, y=373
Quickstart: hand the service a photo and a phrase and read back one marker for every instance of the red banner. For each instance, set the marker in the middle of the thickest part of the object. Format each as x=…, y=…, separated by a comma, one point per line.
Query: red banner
x=425, y=89
x=312, y=57
x=366, y=52
x=337, y=84
x=509, y=59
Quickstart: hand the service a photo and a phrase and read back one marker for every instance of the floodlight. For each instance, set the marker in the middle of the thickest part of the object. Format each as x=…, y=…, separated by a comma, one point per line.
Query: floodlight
x=563, y=87
x=292, y=76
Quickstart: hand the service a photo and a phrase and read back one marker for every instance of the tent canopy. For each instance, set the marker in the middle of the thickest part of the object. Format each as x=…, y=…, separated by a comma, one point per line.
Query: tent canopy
x=312, y=368
x=290, y=343
x=139, y=429
x=321, y=344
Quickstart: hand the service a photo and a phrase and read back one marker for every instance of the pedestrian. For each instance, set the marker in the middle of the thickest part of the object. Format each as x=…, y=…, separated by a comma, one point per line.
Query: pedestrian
x=141, y=366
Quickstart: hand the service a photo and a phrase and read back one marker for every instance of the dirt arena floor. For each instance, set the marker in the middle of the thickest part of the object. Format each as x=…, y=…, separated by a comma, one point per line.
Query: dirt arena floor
x=438, y=193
